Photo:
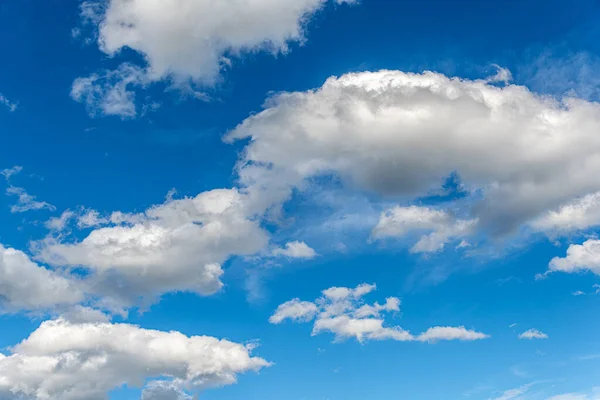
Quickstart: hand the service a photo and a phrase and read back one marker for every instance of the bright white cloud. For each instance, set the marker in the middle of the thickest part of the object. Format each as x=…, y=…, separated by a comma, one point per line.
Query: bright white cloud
x=295, y=310
x=63, y=360
x=24, y=285
x=450, y=333
x=441, y=226
x=191, y=40
x=176, y=246
x=580, y=257
x=296, y=249
x=343, y=312
x=397, y=133
x=533, y=334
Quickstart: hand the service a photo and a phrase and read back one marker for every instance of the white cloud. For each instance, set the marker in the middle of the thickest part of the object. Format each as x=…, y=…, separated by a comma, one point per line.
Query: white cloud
x=450, y=333
x=295, y=249
x=578, y=293
x=580, y=257
x=343, y=312
x=25, y=201
x=579, y=214
x=295, y=310
x=63, y=360
x=27, y=286
x=443, y=227
x=533, y=334
x=12, y=107
x=110, y=93
x=521, y=155
x=59, y=223
x=176, y=246
x=193, y=40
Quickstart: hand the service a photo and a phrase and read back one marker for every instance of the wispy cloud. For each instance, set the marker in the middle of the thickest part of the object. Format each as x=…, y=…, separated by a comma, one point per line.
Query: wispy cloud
x=8, y=104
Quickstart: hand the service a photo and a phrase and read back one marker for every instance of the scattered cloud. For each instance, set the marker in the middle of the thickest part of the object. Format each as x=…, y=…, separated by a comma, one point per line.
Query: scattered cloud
x=296, y=249
x=343, y=312
x=9, y=172
x=110, y=93
x=69, y=361
x=12, y=107
x=444, y=227
x=580, y=257
x=26, y=202
x=533, y=334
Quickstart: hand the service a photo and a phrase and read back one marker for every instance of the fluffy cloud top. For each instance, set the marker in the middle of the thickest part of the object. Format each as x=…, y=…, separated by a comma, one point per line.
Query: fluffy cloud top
x=27, y=286
x=62, y=360
x=177, y=246
x=189, y=40
x=343, y=312
x=400, y=221
x=401, y=134
x=580, y=257
x=296, y=249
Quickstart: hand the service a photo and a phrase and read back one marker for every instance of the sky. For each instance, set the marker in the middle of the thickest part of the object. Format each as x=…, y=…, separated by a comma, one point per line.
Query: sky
x=299, y=199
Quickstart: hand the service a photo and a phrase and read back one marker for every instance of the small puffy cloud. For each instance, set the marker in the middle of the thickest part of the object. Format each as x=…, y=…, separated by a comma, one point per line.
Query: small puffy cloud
x=25, y=201
x=26, y=286
x=343, y=312
x=65, y=360
x=533, y=334
x=12, y=107
x=295, y=310
x=176, y=246
x=450, y=333
x=580, y=257
x=110, y=93
x=295, y=249
x=192, y=41
x=440, y=226
x=578, y=293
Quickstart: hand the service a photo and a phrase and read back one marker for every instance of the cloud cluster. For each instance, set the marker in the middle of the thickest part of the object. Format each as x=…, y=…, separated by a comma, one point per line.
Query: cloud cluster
x=344, y=313
x=191, y=41
x=396, y=134
x=63, y=360
x=176, y=246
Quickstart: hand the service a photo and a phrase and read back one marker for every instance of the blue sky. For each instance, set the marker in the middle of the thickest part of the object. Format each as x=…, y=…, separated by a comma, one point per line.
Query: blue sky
x=299, y=199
